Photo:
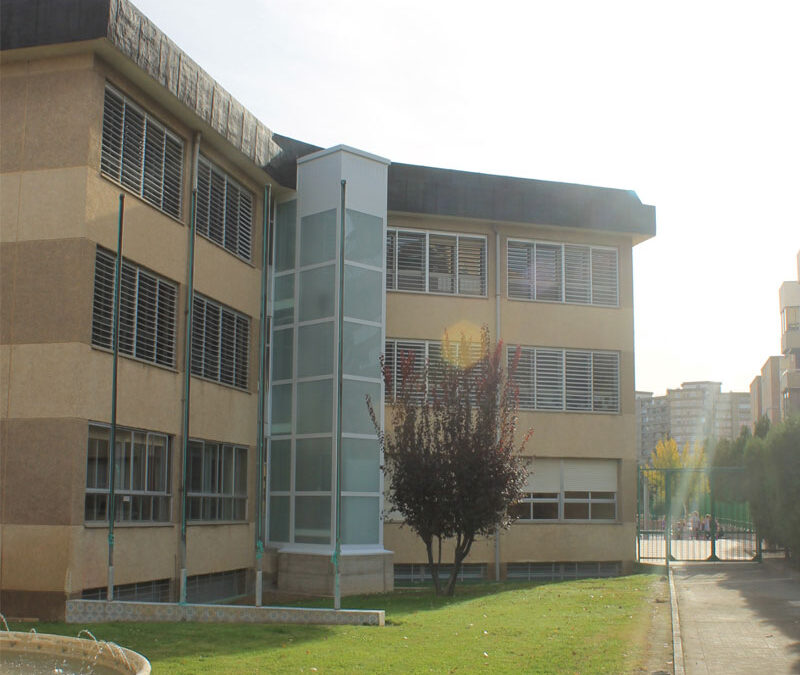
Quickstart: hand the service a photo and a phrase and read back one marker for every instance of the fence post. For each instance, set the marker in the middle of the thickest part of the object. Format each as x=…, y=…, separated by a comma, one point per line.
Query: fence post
x=667, y=518
x=713, y=511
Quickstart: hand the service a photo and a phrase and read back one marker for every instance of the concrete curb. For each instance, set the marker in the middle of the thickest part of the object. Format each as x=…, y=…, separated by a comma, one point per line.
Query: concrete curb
x=677, y=642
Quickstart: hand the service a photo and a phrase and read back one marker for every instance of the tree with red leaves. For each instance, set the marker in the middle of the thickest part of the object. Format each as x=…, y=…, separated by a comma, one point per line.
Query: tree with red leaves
x=451, y=461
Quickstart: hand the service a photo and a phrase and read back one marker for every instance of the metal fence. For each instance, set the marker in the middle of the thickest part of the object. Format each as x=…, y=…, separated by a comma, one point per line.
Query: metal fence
x=694, y=514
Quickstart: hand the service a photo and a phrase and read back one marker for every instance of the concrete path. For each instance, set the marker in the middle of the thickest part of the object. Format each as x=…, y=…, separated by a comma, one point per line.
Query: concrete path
x=738, y=618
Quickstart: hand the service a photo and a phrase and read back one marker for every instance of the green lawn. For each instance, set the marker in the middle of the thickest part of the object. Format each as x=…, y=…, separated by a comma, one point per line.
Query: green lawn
x=586, y=626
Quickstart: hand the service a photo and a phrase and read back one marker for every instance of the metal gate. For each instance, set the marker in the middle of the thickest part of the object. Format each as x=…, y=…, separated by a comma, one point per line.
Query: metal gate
x=694, y=514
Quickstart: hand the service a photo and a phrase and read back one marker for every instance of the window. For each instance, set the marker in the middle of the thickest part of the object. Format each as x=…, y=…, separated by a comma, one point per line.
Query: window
x=567, y=273
x=431, y=262
x=224, y=210
x=146, y=312
x=418, y=353
x=790, y=319
x=141, y=476
x=569, y=489
x=220, y=340
x=138, y=152
x=566, y=379
x=216, y=481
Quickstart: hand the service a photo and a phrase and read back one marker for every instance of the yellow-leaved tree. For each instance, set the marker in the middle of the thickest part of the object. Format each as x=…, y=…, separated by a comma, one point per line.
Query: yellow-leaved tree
x=685, y=486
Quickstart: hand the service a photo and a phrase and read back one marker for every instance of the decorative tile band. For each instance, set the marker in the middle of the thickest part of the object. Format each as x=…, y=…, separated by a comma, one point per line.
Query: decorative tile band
x=101, y=611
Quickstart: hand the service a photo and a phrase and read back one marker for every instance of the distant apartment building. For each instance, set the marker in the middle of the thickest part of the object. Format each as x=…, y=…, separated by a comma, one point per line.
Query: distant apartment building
x=775, y=393
x=695, y=412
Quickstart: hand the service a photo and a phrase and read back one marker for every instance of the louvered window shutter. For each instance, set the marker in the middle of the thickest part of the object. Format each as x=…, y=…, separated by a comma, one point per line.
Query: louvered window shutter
x=577, y=281
x=548, y=272
x=103, y=302
x=520, y=271
x=147, y=311
x=524, y=375
x=411, y=261
x=604, y=277
x=471, y=266
x=605, y=381
x=578, y=377
x=389, y=370
x=391, y=262
x=442, y=263
x=549, y=379
x=138, y=152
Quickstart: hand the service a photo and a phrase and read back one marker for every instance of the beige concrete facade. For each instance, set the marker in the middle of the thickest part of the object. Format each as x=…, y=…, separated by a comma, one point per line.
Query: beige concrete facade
x=58, y=207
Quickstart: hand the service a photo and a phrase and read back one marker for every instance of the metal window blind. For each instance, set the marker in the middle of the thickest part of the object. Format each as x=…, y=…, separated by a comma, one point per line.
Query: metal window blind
x=562, y=273
x=471, y=266
x=411, y=261
x=220, y=341
x=578, y=376
x=442, y=263
x=520, y=271
x=605, y=381
x=577, y=280
x=549, y=379
x=604, y=277
x=547, y=271
x=147, y=311
x=141, y=154
x=572, y=380
x=224, y=209
x=391, y=260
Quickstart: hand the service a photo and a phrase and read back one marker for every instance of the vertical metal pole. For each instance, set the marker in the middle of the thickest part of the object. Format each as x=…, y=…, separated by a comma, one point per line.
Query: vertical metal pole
x=113, y=434
x=639, y=489
x=187, y=366
x=497, y=279
x=667, y=517
x=337, y=553
x=261, y=385
x=713, y=525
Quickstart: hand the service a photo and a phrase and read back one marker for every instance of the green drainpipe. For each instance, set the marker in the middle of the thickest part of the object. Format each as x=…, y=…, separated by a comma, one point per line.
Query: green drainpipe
x=261, y=397
x=113, y=434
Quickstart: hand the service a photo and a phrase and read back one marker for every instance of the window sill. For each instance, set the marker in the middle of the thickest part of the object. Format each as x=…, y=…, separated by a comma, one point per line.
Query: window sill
x=97, y=525
x=128, y=191
x=439, y=294
x=561, y=302
x=129, y=357
x=217, y=522
x=233, y=387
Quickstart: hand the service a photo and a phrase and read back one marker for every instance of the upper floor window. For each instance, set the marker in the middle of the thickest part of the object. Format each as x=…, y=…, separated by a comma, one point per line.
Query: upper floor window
x=419, y=355
x=141, y=154
x=224, y=210
x=571, y=380
x=435, y=262
x=146, y=312
x=141, y=475
x=220, y=341
x=569, y=273
x=790, y=319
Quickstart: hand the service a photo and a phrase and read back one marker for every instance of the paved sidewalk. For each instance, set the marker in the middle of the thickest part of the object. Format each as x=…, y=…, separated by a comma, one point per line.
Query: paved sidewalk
x=739, y=618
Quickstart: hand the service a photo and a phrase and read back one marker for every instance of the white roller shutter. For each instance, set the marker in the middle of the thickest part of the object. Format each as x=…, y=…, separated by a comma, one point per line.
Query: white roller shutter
x=597, y=475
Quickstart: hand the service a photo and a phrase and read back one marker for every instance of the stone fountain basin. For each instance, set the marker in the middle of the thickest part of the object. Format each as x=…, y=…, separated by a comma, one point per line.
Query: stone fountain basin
x=41, y=652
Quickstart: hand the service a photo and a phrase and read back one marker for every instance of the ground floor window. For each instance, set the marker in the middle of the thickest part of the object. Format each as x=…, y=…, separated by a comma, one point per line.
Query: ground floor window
x=216, y=481
x=156, y=590
x=569, y=490
x=141, y=475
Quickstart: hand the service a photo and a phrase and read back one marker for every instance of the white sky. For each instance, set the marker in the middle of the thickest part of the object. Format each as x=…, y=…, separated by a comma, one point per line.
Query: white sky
x=693, y=105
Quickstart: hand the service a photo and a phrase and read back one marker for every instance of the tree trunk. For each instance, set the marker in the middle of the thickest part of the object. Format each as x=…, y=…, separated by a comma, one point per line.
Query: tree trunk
x=434, y=567
x=462, y=549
